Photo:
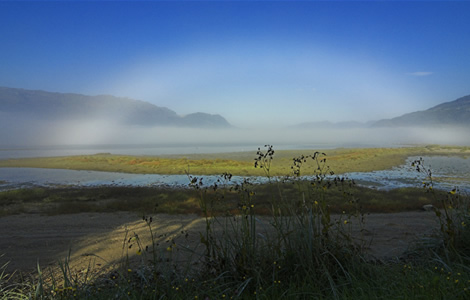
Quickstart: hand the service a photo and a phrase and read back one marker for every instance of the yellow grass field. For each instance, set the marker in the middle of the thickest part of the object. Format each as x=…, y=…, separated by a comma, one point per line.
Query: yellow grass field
x=340, y=160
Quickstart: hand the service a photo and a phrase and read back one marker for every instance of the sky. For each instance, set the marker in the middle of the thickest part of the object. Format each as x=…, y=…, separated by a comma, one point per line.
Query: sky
x=258, y=64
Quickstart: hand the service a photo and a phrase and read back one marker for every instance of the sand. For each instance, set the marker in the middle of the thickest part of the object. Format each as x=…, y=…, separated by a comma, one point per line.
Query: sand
x=29, y=239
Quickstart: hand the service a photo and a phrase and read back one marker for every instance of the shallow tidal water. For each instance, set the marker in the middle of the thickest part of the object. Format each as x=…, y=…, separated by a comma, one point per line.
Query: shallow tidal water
x=448, y=173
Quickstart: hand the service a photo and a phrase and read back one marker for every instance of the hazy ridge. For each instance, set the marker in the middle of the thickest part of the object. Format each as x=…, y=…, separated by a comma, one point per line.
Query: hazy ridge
x=44, y=118
x=50, y=106
x=453, y=113
x=450, y=114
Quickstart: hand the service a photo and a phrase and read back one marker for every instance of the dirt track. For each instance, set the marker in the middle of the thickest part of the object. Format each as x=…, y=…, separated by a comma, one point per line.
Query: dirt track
x=27, y=239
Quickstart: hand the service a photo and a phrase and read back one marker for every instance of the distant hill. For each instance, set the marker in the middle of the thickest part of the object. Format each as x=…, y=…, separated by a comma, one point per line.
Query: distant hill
x=41, y=105
x=454, y=113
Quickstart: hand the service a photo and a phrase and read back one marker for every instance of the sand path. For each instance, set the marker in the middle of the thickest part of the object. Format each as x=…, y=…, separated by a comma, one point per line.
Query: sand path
x=28, y=239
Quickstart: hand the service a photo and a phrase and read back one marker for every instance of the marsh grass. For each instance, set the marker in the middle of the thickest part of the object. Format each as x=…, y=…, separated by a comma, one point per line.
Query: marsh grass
x=70, y=200
x=9, y=287
x=340, y=160
x=452, y=212
x=303, y=250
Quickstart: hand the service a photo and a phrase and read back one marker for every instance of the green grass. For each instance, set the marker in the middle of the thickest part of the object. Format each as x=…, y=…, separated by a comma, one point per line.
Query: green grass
x=56, y=201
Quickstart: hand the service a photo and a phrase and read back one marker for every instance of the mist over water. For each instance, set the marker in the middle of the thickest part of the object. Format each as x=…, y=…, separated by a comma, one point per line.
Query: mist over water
x=17, y=133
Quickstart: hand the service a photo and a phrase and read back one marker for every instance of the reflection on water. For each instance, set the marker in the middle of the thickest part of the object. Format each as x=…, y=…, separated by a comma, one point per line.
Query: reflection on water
x=448, y=172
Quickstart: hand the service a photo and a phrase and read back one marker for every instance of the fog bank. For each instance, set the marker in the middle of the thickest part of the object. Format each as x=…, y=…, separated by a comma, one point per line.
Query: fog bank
x=21, y=132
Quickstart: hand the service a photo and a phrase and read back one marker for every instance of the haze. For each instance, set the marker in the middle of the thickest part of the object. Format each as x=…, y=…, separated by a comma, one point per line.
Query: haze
x=262, y=65
x=25, y=132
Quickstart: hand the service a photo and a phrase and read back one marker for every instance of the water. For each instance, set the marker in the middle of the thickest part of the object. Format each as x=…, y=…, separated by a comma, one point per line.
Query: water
x=12, y=178
x=448, y=172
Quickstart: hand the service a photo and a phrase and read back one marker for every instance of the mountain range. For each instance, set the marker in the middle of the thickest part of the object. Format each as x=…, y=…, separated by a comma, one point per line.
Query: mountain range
x=49, y=106
x=449, y=114
x=454, y=113
x=41, y=105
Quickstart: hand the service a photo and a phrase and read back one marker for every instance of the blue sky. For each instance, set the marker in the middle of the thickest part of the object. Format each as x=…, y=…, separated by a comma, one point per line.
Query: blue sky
x=256, y=63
